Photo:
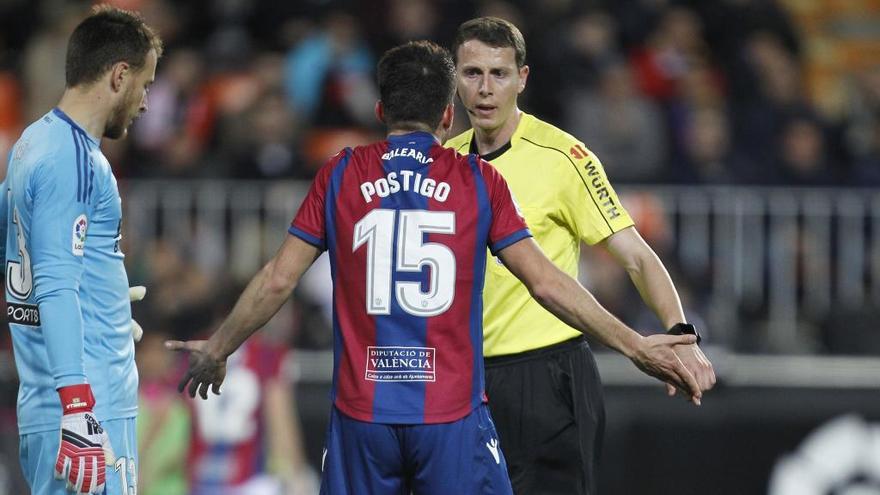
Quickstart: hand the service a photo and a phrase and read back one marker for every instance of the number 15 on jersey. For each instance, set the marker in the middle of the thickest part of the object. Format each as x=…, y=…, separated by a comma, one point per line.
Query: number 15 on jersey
x=376, y=230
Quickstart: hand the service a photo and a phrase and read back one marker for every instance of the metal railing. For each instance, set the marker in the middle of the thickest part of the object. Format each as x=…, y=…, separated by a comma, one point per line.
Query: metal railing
x=799, y=253
x=796, y=253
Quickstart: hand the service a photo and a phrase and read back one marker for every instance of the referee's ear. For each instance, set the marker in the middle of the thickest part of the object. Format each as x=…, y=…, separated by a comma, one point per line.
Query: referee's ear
x=380, y=112
x=523, y=77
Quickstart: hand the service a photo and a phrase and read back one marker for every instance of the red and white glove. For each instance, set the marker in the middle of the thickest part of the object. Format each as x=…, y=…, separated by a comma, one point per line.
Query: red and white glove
x=85, y=448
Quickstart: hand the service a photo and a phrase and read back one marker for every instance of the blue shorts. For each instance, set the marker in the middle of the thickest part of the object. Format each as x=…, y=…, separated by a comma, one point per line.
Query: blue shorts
x=38, y=451
x=464, y=457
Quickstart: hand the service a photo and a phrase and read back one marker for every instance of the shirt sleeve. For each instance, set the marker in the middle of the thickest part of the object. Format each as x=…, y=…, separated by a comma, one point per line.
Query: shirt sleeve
x=58, y=230
x=310, y=223
x=590, y=201
x=508, y=225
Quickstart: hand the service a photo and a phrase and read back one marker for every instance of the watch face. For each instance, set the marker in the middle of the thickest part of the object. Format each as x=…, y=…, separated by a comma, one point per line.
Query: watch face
x=682, y=328
x=685, y=329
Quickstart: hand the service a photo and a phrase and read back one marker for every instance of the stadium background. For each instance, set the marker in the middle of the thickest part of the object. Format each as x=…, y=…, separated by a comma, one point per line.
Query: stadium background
x=743, y=135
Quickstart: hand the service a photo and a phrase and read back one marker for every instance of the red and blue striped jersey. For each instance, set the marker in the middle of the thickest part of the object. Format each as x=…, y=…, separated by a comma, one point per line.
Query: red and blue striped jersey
x=407, y=223
x=230, y=434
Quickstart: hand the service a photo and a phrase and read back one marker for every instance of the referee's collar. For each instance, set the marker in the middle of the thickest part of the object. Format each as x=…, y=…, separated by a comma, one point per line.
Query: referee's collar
x=488, y=156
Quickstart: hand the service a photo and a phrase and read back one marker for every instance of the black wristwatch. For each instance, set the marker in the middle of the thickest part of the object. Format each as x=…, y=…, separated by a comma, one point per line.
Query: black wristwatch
x=684, y=329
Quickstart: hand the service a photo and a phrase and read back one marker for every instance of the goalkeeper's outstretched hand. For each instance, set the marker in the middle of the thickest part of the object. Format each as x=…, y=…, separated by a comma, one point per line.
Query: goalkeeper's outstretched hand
x=136, y=293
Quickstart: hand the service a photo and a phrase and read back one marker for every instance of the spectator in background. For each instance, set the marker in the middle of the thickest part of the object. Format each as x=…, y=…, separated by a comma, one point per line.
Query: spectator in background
x=862, y=132
x=503, y=10
x=780, y=93
x=803, y=153
x=257, y=131
x=264, y=147
x=328, y=80
x=636, y=19
x=867, y=166
x=10, y=115
x=181, y=293
x=163, y=423
x=11, y=91
x=708, y=157
x=237, y=95
x=589, y=47
x=546, y=24
x=729, y=22
x=864, y=112
x=623, y=127
x=248, y=441
x=328, y=75
x=671, y=49
x=176, y=131
x=44, y=53
x=405, y=20
x=700, y=89
x=676, y=70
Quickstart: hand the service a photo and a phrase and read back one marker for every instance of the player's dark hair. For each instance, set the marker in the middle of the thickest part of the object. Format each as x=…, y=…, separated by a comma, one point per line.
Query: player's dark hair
x=108, y=36
x=494, y=32
x=416, y=83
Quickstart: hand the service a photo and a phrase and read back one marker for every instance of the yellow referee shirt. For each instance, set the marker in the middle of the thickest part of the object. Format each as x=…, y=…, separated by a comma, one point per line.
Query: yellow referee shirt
x=565, y=197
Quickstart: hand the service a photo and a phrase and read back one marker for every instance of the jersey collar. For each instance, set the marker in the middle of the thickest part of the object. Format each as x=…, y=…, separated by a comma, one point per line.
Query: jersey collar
x=488, y=156
x=421, y=137
x=506, y=146
x=63, y=116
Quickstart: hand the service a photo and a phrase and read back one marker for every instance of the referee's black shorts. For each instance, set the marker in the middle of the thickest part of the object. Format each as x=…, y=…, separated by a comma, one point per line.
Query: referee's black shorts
x=549, y=411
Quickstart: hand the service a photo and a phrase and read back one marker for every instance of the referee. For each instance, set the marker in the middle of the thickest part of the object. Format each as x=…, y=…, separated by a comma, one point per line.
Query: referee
x=541, y=378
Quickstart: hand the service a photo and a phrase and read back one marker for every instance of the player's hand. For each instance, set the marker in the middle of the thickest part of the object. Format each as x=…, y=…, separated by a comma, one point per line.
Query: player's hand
x=205, y=369
x=136, y=293
x=655, y=355
x=85, y=448
x=699, y=365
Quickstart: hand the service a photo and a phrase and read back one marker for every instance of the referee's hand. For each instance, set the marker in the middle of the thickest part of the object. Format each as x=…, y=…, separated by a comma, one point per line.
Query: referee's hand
x=656, y=356
x=698, y=364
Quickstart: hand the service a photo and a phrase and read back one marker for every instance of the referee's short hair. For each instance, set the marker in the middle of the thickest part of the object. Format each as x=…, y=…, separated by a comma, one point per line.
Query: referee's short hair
x=416, y=83
x=494, y=32
x=106, y=37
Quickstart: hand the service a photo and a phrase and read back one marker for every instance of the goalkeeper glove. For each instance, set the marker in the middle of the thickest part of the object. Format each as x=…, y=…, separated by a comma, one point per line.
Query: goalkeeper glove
x=85, y=448
x=136, y=293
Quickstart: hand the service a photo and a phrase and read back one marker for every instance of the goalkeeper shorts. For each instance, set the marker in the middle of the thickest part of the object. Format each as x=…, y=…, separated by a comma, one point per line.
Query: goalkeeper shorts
x=38, y=451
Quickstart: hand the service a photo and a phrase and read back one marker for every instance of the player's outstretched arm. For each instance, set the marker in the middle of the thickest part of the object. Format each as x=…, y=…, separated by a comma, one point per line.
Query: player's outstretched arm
x=262, y=298
x=572, y=303
x=657, y=290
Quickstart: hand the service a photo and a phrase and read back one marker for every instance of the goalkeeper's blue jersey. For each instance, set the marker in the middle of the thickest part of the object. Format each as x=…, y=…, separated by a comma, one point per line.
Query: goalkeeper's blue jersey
x=66, y=286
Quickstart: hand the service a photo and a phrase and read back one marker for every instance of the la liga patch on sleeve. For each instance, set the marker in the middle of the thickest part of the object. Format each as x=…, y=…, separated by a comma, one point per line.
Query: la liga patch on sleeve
x=78, y=239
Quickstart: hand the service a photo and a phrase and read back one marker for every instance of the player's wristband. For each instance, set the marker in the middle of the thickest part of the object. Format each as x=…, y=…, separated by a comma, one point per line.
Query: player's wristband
x=76, y=398
x=685, y=329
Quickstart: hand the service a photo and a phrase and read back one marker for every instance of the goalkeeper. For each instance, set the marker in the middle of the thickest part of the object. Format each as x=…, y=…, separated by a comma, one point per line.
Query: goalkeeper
x=66, y=287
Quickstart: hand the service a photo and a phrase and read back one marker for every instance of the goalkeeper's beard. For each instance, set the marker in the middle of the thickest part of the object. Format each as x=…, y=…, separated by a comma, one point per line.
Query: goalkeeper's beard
x=121, y=117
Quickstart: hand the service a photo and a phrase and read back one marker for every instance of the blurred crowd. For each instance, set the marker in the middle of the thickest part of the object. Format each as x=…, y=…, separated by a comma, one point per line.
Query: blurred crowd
x=665, y=92
x=692, y=92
